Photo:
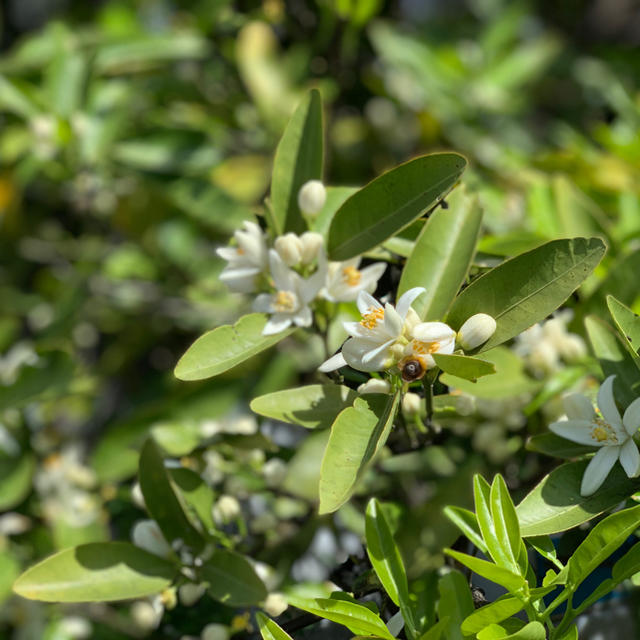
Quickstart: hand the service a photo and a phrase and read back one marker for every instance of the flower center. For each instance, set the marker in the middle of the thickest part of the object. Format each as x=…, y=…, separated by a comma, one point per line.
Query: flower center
x=284, y=302
x=371, y=318
x=351, y=276
x=240, y=251
x=603, y=432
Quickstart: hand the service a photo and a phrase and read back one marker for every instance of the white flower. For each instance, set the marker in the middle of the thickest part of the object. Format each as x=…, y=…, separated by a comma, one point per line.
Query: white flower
x=246, y=261
x=370, y=346
x=226, y=509
x=427, y=338
x=290, y=303
x=411, y=405
x=311, y=197
x=374, y=385
x=604, y=429
x=476, y=331
x=215, y=631
x=345, y=281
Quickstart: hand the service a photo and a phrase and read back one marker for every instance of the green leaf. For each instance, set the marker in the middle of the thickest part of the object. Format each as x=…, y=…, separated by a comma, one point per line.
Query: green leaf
x=16, y=475
x=442, y=255
x=313, y=406
x=464, y=366
x=491, y=613
x=500, y=575
x=437, y=630
x=509, y=379
x=386, y=560
x=196, y=495
x=96, y=572
x=467, y=522
x=614, y=360
x=232, y=579
x=357, y=434
x=336, y=197
x=601, y=542
x=552, y=445
x=555, y=503
x=391, y=202
x=9, y=571
x=545, y=547
x=269, y=630
x=455, y=602
x=15, y=99
x=505, y=520
x=356, y=617
x=64, y=82
x=161, y=500
x=526, y=289
x=298, y=159
x=628, y=324
x=225, y=347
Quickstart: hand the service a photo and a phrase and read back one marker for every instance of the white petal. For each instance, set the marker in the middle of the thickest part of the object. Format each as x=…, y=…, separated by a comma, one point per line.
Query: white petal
x=262, y=303
x=354, y=350
x=277, y=323
x=392, y=321
x=631, y=418
x=406, y=300
x=578, y=407
x=607, y=403
x=630, y=458
x=598, y=469
x=433, y=332
x=333, y=363
x=576, y=430
x=447, y=347
x=370, y=275
x=365, y=301
x=303, y=318
x=374, y=353
x=282, y=275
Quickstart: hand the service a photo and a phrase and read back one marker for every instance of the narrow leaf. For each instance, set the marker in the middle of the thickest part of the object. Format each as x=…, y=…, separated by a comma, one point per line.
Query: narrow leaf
x=455, y=603
x=467, y=522
x=628, y=324
x=464, y=366
x=508, y=579
x=269, y=630
x=491, y=613
x=505, y=520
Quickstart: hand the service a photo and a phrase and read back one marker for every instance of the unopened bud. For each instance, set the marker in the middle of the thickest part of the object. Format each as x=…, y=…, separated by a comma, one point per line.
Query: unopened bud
x=275, y=604
x=289, y=248
x=311, y=197
x=476, y=331
x=375, y=385
x=226, y=509
x=215, y=631
x=190, y=593
x=146, y=534
x=311, y=243
x=411, y=405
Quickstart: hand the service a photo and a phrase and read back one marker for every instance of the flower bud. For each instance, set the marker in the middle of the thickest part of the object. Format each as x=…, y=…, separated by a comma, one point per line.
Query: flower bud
x=190, y=593
x=274, y=472
x=226, y=509
x=275, y=604
x=146, y=534
x=289, y=248
x=215, y=631
x=311, y=197
x=476, y=331
x=374, y=385
x=310, y=243
x=411, y=405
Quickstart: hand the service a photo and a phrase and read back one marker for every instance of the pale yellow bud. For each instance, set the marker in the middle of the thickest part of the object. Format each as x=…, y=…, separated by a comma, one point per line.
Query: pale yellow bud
x=215, y=631
x=311, y=197
x=226, y=509
x=374, y=386
x=411, y=405
x=476, y=331
x=190, y=593
x=311, y=243
x=275, y=604
x=289, y=248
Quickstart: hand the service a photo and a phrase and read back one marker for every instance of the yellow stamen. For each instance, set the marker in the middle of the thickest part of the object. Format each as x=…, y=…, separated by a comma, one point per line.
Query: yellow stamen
x=370, y=319
x=603, y=432
x=240, y=251
x=351, y=276
x=284, y=302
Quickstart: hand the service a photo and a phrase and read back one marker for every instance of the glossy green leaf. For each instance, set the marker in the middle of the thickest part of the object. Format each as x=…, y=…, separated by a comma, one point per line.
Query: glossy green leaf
x=386, y=559
x=391, y=202
x=628, y=324
x=225, y=347
x=552, y=445
x=16, y=475
x=601, y=542
x=356, y=617
x=161, y=500
x=494, y=612
x=455, y=603
x=545, y=547
x=442, y=255
x=614, y=360
x=505, y=520
x=464, y=366
x=231, y=579
x=269, y=630
x=526, y=289
x=196, y=495
x=467, y=522
x=357, y=434
x=101, y=571
x=555, y=503
x=500, y=575
x=298, y=159
x=313, y=406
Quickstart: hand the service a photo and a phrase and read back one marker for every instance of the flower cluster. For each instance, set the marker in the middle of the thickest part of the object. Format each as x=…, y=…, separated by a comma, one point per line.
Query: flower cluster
x=291, y=274
x=389, y=336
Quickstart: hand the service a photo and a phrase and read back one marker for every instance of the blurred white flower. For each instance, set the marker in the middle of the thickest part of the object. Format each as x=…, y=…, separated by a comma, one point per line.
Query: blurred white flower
x=226, y=509
x=374, y=385
x=369, y=347
x=345, y=280
x=147, y=613
x=274, y=471
x=275, y=604
x=13, y=524
x=312, y=197
x=299, y=250
x=146, y=534
x=215, y=631
x=190, y=593
x=427, y=338
x=75, y=627
x=476, y=331
x=245, y=261
x=412, y=405
x=290, y=303
x=604, y=429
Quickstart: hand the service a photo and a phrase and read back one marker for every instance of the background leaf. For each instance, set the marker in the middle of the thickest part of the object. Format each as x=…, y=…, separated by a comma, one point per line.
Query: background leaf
x=464, y=366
